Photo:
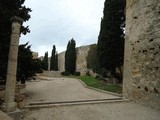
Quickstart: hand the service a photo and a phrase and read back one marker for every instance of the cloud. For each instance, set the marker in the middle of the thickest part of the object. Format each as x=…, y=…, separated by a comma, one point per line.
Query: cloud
x=55, y=22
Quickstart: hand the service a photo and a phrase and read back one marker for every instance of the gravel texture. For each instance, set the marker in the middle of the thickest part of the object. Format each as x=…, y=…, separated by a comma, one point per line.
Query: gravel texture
x=60, y=89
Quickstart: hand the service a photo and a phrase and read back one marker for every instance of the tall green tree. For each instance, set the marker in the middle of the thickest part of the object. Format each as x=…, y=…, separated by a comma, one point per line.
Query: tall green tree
x=110, y=46
x=27, y=66
x=70, y=57
x=52, y=61
x=45, y=61
x=8, y=9
x=56, y=62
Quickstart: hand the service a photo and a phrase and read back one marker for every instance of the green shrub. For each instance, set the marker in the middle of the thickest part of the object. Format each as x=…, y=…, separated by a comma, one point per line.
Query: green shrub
x=77, y=73
x=88, y=73
x=65, y=73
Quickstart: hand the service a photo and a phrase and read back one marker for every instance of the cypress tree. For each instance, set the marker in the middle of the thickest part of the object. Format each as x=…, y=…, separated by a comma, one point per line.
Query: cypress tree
x=56, y=62
x=67, y=57
x=70, y=57
x=45, y=61
x=110, y=46
x=52, y=61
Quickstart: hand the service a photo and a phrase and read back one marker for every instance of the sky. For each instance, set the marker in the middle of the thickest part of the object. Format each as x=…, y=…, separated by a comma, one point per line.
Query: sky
x=55, y=22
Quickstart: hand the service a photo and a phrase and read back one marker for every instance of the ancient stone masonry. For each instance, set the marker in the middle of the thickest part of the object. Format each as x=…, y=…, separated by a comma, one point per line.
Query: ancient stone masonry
x=81, y=62
x=61, y=61
x=142, y=52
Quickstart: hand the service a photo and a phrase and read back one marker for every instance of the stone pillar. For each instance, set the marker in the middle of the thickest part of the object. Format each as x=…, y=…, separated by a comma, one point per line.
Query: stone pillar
x=9, y=104
x=142, y=52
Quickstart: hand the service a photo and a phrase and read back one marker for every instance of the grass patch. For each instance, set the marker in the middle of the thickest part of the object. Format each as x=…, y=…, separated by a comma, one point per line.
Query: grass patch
x=92, y=82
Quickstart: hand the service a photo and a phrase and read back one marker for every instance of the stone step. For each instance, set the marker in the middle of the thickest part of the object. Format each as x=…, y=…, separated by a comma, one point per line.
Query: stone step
x=73, y=101
x=4, y=116
x=78, y=102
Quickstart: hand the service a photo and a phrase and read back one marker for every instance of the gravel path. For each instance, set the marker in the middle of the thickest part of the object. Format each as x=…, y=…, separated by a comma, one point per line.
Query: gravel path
x=109, y=111
x=60, y=89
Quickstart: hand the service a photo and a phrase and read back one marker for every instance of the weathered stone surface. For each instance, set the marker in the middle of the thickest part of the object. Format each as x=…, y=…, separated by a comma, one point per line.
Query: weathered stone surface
x=142, y=52
x=61, y=61
x=81, y=63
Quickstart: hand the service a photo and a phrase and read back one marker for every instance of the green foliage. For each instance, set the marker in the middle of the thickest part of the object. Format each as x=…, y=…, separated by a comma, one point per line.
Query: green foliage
x=52, y=65
x=92, y=82
x=88, y=73
x=65, y=73
x=110, y=47
x=70, y=57
x=92, y=57
x=27, y=66
x=56, y=62
x=77, y=73
x=8, y=9
x=45, y=61
x=54, y=59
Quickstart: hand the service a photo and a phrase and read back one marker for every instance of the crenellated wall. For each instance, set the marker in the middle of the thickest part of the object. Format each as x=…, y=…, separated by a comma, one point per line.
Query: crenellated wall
x=142, y=52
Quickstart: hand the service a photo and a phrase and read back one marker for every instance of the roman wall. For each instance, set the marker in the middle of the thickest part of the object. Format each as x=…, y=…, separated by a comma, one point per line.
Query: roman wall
x=142, y=52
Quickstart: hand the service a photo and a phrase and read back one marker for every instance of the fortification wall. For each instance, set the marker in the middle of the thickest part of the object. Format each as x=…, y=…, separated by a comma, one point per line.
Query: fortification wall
x=142, y=52
x=81, y=63
x=61, y=61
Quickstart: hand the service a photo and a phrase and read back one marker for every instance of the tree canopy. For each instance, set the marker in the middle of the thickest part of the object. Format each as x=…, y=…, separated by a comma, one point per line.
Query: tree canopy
x=70, y=57
x=45, y=61
x=9, y=9
x=52, y=61
x=27, y=66
x=56, y=62
x=110, y=46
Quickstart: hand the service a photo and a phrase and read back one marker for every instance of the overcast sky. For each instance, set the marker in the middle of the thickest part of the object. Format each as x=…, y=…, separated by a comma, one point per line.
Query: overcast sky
x=55, y=22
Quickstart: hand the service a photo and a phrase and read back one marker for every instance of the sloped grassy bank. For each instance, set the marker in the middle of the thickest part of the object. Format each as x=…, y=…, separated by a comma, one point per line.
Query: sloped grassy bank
x=92, y=82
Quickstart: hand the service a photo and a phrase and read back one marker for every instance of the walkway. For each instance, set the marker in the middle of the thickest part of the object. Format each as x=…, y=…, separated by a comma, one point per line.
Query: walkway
x=60, y=89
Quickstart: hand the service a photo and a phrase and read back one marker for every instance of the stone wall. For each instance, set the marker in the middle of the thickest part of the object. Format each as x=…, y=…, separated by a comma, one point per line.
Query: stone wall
x=61, y=61
x=142, y=52
x=81, y=63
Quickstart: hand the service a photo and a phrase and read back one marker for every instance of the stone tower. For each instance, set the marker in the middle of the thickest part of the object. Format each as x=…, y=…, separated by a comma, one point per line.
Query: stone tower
x=142, y=52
